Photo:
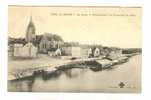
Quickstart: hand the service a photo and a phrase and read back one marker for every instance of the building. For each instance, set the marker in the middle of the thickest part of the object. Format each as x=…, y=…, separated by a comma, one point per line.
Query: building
x=10, y=49
x=96, y=52
x=85, y=52
x=25, y=51
x=47, y=43
x=17, y=50
x=105, y=51
x=90, y=53
x=31, y=32
x=115, y=53
x=44, y=44
x=56, y=52
x=74, y=51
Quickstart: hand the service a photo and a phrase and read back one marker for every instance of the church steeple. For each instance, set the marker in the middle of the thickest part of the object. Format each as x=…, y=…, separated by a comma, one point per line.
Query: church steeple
x=30, y=18
x=30, y=32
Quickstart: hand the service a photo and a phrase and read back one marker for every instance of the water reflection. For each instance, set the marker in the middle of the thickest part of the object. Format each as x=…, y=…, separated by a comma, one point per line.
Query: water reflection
x=74, y=72
x=22, y=85
x=78, y=79
x=54, y=75
x=28, y=83
x=70, y=73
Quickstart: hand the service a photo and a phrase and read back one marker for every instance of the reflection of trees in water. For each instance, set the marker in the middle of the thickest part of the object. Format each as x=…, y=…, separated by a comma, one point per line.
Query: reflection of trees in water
x=54, y=75
x=74, y=72
x=30, y=84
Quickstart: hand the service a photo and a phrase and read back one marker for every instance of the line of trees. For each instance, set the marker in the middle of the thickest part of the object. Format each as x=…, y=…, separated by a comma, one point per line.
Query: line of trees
x=131, y=50
x=50, y=37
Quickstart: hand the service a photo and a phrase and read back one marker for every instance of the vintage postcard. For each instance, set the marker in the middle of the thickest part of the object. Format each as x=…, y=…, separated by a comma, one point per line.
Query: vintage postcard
x=74, y=49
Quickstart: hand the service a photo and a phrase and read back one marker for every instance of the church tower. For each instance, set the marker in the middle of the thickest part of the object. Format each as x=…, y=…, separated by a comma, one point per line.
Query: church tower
x=30, y=32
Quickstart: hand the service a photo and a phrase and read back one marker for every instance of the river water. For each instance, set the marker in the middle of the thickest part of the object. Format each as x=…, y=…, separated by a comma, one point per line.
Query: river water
x=86, y=80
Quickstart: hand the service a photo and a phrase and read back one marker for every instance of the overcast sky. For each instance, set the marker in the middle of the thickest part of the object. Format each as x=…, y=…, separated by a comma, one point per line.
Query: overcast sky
x=106, y=26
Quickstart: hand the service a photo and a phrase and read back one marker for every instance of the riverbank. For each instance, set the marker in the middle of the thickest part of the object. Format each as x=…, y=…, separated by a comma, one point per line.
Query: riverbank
x=19, y=68
x=85, y=80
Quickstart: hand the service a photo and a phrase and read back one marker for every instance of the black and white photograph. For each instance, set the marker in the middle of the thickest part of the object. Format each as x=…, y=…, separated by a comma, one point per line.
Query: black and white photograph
x=74, y=49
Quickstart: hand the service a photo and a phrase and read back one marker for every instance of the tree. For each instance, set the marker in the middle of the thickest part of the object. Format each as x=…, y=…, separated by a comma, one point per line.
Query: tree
x=53, y=37
x=57, y=37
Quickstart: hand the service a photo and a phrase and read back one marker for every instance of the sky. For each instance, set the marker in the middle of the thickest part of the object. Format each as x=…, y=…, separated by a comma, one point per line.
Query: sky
x=120, y=27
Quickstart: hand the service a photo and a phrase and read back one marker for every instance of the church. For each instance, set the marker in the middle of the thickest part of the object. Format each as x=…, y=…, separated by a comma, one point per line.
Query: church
x=44, y=42
x=31, y=32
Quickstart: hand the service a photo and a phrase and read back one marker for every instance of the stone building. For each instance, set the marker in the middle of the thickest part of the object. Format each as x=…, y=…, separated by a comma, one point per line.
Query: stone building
x=48, y=44
x=73, y=51
x=44, y=44
x=25, y=51
x=31, y=32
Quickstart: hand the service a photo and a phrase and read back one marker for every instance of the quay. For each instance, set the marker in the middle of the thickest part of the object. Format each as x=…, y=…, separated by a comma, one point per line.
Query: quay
x=47, y=69
x=96, y=64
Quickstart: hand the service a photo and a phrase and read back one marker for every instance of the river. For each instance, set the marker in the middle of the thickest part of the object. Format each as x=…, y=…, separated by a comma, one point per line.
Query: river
x=85, y=80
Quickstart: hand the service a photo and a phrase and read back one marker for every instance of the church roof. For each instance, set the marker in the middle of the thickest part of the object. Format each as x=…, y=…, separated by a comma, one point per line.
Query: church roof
x=31, y=24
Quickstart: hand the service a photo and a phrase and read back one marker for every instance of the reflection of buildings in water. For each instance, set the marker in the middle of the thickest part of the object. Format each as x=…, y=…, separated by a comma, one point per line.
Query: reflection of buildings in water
x=18, y=85
x=93, y=80
x=30, y=84
x=22, y=86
